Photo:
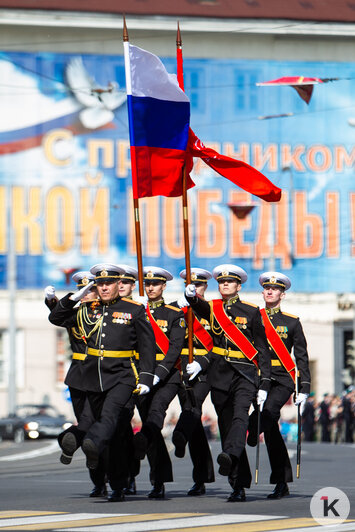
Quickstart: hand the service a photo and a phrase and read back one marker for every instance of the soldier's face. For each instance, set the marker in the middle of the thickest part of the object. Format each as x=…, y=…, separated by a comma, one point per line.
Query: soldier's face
x=201, y=288
x=154, y=290
x=108, y=290
x=228, y=288
x=125, y=287
x=273, y=296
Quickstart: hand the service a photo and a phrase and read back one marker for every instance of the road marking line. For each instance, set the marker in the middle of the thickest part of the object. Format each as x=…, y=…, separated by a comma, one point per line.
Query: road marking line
x=301, y=524
x=70, y=520
x=203, y=522
x=42, y=519
x=23, y=513
x=49, y=449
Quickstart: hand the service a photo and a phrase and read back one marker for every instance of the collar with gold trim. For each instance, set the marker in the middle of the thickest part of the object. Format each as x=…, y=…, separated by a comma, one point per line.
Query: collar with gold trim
x=231, y=300
x=156, y=304
x=272, y=311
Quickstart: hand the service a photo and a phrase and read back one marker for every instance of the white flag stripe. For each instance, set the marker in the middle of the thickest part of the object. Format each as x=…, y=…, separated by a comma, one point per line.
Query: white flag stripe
x=149, y=77
x=127, y=68
x=188, y=522
x=53, y=519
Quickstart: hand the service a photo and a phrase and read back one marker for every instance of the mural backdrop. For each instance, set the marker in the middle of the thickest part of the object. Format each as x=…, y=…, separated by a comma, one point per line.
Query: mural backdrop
x=65, y=184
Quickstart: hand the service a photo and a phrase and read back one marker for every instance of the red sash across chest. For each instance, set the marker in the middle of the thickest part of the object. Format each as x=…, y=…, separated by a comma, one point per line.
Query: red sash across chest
x=160, y=337
x=278, y=345
x=200, y=332
x=232, y=332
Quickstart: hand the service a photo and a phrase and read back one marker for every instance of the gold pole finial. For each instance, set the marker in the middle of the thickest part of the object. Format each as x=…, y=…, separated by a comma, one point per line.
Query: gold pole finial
x=178, y=36
x=125, y=31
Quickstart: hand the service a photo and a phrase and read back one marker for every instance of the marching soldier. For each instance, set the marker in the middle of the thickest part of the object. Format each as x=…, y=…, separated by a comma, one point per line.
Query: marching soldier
x=122, y=451
x=284, y=333
x=168, y=324
x=115, y=329
x=189, y=428
x=239, y=352
x=71, y=439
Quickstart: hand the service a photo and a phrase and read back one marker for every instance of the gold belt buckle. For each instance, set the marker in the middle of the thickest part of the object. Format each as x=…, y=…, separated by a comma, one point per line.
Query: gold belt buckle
x=101, y=353
x=226, y=351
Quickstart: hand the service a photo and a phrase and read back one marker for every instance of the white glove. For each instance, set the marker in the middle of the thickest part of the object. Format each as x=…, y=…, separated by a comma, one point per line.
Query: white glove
x=301, y=399
x=193, y=369
x=49, y=292
x=143, y=389
x=190, y=290
x=261, y=398
x=82, y=292
x=156, y=380
x=182, y=302
x=142, y=299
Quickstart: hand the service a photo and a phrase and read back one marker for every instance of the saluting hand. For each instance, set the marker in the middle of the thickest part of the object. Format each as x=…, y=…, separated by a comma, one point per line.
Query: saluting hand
x=82, y=292
x=49, y=292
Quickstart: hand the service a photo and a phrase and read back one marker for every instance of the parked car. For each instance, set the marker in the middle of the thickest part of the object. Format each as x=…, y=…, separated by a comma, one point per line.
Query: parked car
x=33, y=422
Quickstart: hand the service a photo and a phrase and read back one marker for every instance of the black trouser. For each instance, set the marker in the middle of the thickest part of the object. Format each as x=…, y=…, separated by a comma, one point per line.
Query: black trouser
x=106, y=408
x=281, y=469
x=85, y=420
x=121, y=463
x=232, y=409
x=190, y=425
x=152, y=410
x=78, y=398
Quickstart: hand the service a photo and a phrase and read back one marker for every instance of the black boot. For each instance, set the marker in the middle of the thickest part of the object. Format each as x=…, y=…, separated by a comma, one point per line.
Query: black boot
x=158, y=491
x=197, y=489
x=99, y=491
x=91, y=452
x=281, y=490
x=237, y=495
x=116, y=496
x=131, y=488
x=68, y=445
x=225, y=464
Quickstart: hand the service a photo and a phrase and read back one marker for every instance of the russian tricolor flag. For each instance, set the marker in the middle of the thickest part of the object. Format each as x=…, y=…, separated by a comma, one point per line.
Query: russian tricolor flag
x=159, y=117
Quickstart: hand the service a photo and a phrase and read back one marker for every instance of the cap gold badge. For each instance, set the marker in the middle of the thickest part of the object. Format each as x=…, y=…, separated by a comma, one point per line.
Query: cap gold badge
x=225, y=273
x=193, y=276
x=104, y=273
x=85, y=281
x=150, y=275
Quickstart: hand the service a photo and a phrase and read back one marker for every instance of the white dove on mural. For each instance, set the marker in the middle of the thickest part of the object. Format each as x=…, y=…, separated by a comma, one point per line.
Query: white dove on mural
x=99, y=102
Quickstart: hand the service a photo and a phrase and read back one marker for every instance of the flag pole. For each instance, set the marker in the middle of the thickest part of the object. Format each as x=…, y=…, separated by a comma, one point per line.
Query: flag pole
x=137, y=223
x=180, y=77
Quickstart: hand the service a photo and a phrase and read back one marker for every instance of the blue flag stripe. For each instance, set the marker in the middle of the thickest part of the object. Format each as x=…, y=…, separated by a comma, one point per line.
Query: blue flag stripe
x=158, y=123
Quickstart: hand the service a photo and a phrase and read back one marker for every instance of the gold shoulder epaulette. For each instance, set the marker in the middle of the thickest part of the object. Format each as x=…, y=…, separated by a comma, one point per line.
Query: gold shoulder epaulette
x=290, y=315
x=250, y=304
x=174, y=308
x=130, y=301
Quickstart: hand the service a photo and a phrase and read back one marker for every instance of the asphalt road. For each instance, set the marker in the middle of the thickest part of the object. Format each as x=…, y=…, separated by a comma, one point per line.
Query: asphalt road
x=34, y=481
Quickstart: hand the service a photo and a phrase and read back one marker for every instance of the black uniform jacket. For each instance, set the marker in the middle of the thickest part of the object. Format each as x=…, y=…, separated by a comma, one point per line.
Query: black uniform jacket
x=171, y=321
x=248, y=318
x=121, y=325
x=74, y=377
x=290, y=330
x=199, y=348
